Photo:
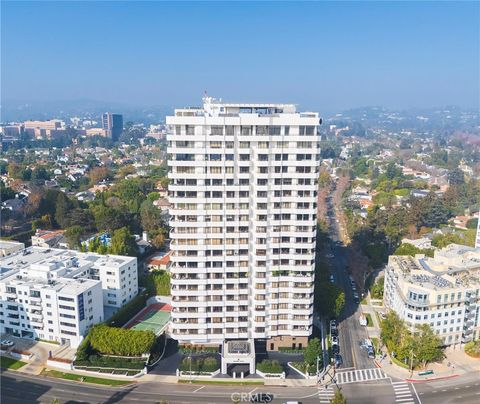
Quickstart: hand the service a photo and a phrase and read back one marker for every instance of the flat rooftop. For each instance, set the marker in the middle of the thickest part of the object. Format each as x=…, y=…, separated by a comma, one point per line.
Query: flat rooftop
x=452, y=266
x=38, y=260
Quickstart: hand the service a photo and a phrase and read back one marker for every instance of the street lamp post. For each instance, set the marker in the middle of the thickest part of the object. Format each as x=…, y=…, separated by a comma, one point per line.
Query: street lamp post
x=190, y=359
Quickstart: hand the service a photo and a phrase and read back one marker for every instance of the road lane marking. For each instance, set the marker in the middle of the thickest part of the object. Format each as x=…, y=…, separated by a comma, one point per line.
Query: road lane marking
x=200, y=388
x=252, y=391
x=415, y=391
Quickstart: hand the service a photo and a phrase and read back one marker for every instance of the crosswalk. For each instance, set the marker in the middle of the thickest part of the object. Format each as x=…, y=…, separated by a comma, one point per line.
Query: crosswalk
x=326, y=394
x=360, y=375
x=403, y=394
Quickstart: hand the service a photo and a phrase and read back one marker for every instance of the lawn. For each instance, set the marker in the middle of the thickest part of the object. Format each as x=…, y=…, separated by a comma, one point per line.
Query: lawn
x=399, y=363
x=227, y=382
x=9, y=363
x=375, y=344
x=87, y=379
x=369, y=320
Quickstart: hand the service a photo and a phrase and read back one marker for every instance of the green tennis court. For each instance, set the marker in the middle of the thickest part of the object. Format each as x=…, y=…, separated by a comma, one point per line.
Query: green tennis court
x=153, y=321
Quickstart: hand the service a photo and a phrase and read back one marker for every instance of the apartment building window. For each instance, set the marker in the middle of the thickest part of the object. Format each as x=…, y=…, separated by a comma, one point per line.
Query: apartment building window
x=190, y=130
x=306, y=130
x=261, y=130
x=246, y=130
x=229, y=130
x=274, y=130
x=217, y=130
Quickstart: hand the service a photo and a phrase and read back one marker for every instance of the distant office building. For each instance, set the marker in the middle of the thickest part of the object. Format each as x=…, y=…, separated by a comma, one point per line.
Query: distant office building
x=45, y=129
x=112, y=124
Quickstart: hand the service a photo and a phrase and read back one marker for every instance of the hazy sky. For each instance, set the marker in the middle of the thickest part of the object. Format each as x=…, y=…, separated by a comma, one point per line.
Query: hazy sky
x=321, y=55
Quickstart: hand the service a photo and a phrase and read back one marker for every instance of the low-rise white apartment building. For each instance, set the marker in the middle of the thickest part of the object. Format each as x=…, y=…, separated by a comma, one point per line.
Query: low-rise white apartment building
x=443, y=292
x=243, y=192
x=58, y=294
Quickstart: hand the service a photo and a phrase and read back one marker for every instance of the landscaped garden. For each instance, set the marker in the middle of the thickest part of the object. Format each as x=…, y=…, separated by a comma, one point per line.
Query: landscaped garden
x=114, y=350
x=199, y=365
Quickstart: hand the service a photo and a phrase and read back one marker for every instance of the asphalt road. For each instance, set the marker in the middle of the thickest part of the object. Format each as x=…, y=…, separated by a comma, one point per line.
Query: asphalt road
x=459, y=390
x=19, y=388
x=350, y=332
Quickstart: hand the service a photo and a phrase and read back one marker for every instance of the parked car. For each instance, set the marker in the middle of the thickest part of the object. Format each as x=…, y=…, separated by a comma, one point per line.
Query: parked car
x=334, y=340
x=332, y=279
x=356, y=298
x=336, y=349
x=371, y=353
x=338, y=360
x=7, y=343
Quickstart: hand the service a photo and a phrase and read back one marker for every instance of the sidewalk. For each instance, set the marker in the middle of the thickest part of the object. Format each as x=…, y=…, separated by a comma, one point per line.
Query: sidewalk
x=455, y=364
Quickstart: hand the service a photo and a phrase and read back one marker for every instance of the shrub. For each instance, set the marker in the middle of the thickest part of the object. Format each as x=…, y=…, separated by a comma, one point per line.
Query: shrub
x=159, y=283
x=291, y=350
x=270, y=366
x=208, y=364
x=472, y=348
x=128, y=311
x=120, y=341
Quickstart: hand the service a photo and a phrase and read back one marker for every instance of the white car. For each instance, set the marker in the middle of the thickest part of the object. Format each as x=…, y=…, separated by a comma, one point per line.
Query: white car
x=334, y=340
x=7, y=343
x=332, y=279
x=329, y=255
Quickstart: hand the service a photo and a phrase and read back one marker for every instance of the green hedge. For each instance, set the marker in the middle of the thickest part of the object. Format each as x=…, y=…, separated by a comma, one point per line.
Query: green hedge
x=208, y=364
x=291, y=350
x=120, y=341
x=111, y=362
x=128, y=311
x=269, y=366
x=190, y=349
x=158, y=283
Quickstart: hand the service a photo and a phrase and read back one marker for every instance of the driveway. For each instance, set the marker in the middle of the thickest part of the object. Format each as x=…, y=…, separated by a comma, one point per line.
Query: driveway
x=40, y=351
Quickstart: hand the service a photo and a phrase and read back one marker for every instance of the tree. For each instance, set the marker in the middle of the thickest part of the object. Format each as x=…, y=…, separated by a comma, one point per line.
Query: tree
x=428, y=345
x=108, y=218
x=158, y=241
x=73, y=234
x=472, y=223
x=312, y=352
x=410, y=249
x=98, y=174
x=150, y=216
x=5, y=192
x=62, y=210
x=40, y=174
x=123, y=243
x=338, y=398
x=456, y=177
x=339, y=303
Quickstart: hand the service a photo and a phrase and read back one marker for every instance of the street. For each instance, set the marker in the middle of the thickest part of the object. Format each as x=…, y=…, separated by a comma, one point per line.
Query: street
x=350, y=331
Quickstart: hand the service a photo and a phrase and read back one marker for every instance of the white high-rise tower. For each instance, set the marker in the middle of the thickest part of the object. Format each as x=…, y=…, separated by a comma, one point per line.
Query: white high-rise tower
x=243, y=194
